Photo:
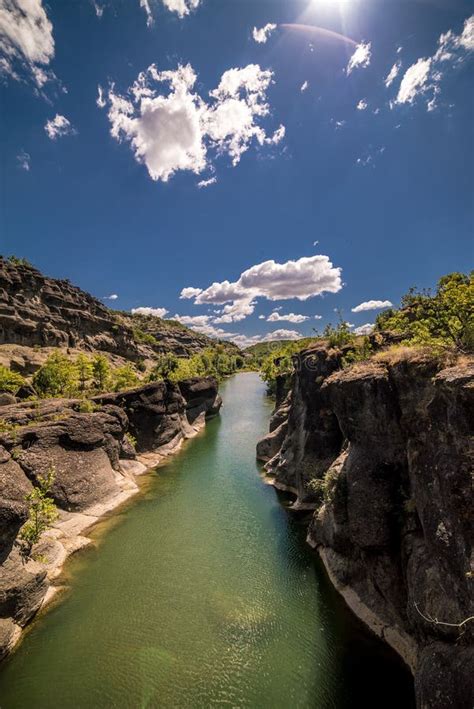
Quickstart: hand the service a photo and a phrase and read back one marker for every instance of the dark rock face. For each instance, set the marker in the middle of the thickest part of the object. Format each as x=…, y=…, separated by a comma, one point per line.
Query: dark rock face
x=14, y=486
x=312, y=439
x=86, y=451
x=201, y=396
x=393, y=443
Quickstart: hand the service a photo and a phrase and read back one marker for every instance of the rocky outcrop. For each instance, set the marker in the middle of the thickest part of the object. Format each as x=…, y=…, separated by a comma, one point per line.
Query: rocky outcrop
x=94, y=459
x=384, y=452
x=41, y=312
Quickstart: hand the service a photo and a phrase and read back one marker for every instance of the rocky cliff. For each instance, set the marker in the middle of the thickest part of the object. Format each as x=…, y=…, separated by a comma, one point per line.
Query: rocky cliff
x=383, y=453
x=95, y=456
x=40, y=312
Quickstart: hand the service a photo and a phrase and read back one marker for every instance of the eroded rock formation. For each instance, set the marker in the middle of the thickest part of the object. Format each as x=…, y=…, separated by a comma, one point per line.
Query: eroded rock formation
x=383, y=451
x=41, y=312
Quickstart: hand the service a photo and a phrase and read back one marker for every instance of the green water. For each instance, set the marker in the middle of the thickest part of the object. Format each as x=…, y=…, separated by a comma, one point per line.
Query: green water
x=202, y=593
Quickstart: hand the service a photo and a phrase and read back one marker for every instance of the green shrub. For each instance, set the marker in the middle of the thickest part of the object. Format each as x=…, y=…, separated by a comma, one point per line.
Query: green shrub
x=10, y=381
x=41, y=512
x=85, y=370
x=101, y=372
x=441, y=319
x=57, y=377
x=87, y=407
x=124, y=377
x=144, y=337
x=131, y=439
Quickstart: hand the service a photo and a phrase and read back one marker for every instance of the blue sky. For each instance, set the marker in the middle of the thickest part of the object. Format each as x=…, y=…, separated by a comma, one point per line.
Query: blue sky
x=291, y=173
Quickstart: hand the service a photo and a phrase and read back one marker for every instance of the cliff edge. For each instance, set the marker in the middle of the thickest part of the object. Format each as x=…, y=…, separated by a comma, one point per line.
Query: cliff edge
x=383, y=453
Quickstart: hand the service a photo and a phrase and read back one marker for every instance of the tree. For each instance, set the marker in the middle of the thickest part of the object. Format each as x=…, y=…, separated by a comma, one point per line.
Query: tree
x=41, y=511
x=84, y=370
x=165, y=365
x=10, y=381
x=444, y=319
x=57, y=377
x=101, y=371
x=124, y=377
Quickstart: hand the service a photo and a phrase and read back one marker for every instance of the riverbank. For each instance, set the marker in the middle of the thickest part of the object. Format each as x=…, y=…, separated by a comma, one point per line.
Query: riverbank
x=95, y=468
x=201, y=591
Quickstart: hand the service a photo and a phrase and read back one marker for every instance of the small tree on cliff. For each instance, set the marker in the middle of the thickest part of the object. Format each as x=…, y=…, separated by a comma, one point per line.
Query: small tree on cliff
x=165, y=365
x=84, y=370
x=41, y=511
x=101, y=370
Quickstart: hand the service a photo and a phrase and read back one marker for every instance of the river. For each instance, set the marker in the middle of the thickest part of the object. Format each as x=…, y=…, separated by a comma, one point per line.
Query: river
x=202, y=593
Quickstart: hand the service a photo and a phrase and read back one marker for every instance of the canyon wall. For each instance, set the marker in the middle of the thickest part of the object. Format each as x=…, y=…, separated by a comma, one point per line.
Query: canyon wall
x=95, y=455
x=382, y=451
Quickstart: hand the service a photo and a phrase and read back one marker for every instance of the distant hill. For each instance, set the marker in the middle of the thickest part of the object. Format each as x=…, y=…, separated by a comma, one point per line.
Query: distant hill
x=38, y=312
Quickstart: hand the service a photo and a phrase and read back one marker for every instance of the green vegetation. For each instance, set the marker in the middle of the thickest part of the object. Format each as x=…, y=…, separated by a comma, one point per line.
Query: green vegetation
x=144, y=337
x=125, y=377
x=10, y=381
x=131, y=439
x=213, y=361
x=325, y=487
x=17, y=261
x=444, y=319
x=85, y=371
x=57, y=377
x=101, y=372
x=41, y=511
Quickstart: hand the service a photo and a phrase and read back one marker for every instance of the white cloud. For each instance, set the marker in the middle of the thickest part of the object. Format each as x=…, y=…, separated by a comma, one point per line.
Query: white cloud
x=238, y=310
x=365, y=161
x=207, y=183
x=261, y=35
x=290, y=317
x=466, y=40
x=58, y=127
x=261, y=317
x=114, y=296
x=282, y=334
x=415, y=81
x=362, y=105
x=360, y=58
x=366, y=329
x=302, y=279
x=156, y=312
x=145, y=5
x=193, y=320
x=100, y=101
x=180, y=7
x=318, y=317
x=26, y=40
x=24, y=160
x=98, y=8
x=304, y=86
x=203, y=324
x=183, y=131
x=372, y=305
x=392, y=74
x=423, y=78
x=190, y=292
